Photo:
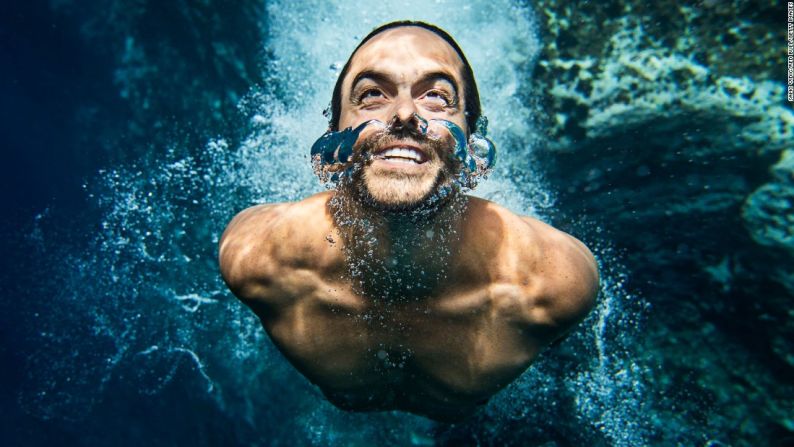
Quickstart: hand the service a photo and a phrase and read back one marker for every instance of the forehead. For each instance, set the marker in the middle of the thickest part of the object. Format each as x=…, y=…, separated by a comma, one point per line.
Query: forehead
x=407, y=49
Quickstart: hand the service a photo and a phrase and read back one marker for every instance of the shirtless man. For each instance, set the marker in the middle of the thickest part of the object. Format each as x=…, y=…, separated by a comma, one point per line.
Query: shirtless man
x=387, y=294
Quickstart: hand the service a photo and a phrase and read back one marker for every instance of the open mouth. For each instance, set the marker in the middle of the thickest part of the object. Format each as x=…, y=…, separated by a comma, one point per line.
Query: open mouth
x=401, y=154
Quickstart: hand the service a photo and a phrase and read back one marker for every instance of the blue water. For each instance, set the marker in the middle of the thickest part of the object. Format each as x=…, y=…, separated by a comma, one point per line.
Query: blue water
x=133, y=337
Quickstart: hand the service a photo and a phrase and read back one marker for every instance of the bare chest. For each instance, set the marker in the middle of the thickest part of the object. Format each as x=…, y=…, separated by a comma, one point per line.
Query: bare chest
x=450, y=351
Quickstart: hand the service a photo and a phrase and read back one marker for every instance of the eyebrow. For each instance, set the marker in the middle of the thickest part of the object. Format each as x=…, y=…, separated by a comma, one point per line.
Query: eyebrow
x=372, y=75
x=440, y=76
x=384, y=78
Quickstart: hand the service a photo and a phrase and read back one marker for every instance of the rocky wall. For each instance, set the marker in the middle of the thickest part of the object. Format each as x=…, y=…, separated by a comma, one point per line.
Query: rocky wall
x=668, y=130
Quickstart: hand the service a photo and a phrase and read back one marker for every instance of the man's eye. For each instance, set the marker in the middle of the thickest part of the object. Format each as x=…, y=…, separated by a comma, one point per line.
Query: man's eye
x=437, y=97
x=370, y=94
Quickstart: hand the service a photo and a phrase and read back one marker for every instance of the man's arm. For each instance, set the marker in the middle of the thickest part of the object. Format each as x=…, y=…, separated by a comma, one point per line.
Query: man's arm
x=269, y=254
x=244, y=253
x=568, y=279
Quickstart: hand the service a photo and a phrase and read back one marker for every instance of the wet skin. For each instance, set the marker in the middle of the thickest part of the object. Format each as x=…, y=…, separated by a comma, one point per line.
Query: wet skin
x=438, y=314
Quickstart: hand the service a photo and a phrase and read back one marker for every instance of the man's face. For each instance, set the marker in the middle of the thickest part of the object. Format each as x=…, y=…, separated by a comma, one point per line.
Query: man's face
x=399, y=73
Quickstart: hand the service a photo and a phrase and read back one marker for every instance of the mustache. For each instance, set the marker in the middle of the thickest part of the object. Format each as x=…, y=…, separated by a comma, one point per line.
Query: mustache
x=433, y=148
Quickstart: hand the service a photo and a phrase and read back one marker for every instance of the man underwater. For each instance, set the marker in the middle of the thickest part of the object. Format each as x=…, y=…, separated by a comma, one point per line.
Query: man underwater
x=395, y=290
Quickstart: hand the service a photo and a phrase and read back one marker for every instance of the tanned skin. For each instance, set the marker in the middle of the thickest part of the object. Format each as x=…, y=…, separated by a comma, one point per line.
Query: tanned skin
x=430, y=315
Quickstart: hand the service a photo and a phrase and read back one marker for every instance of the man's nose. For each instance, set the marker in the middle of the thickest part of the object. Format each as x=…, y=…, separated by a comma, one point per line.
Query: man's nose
x=405, y=113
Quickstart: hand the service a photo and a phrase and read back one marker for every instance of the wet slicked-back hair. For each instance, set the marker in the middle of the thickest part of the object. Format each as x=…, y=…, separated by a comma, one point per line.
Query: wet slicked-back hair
x=470, y=93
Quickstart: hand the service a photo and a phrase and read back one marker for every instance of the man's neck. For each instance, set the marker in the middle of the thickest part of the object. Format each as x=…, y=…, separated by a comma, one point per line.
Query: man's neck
x=394, y=255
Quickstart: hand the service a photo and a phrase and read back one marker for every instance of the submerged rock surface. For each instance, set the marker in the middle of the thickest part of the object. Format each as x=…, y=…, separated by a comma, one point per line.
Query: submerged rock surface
x=668, y=127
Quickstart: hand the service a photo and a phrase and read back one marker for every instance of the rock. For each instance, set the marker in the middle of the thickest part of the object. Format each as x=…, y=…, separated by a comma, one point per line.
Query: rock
x=768, y=210
x=769, y=216
x=668, y=129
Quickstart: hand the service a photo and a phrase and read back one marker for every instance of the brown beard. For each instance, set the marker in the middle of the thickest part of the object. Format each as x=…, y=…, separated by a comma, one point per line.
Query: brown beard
x=444, y=187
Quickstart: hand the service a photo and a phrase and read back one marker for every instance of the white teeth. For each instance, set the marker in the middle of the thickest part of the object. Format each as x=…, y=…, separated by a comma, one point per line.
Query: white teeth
x=404, y=153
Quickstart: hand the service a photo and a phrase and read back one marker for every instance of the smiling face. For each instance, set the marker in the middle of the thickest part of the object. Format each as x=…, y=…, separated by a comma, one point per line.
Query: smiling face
x=398, y=74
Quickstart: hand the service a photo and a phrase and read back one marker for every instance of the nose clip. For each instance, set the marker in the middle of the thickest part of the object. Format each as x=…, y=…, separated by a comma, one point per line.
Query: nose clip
x=416, y=120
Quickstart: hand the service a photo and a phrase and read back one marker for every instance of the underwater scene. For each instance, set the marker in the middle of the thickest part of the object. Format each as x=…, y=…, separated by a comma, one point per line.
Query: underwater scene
x=657, y=133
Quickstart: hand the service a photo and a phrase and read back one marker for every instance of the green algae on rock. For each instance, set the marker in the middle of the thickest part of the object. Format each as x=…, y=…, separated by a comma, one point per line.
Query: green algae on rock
x=667, y=126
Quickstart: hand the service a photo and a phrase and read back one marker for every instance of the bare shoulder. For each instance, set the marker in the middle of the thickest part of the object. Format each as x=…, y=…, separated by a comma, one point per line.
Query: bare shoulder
x=558, y=273
x=262, y=241
x=567, y=277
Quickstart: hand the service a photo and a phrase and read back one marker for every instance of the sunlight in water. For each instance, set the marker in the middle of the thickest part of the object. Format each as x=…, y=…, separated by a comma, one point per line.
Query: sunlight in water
x=148, y=299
